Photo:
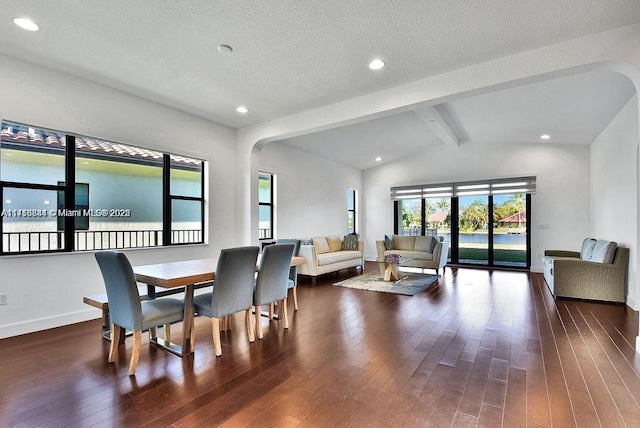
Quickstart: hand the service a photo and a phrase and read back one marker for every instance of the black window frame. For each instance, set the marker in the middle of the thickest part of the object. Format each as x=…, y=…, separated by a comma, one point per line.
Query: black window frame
x=168, y=234
x=428, y=191
x=270, y=232
x=352, y=196
x=67, y=192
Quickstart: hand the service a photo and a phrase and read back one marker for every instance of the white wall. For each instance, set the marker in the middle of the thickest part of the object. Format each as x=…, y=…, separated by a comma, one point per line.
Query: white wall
x=614, y=188
x=46, y=291
x=311, y=192
x=561, y=201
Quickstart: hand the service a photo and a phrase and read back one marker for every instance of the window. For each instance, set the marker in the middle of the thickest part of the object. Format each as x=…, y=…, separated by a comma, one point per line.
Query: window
x=64, y=192
x=265, y=205
x=352, y=196
x=186, y=211
x=82, y=205
x=485, y=222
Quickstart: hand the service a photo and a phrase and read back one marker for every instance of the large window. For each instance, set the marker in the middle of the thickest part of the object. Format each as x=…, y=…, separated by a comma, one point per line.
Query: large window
x=65, y=192
x=265, y=205
x=484, y=222
x=352, y=196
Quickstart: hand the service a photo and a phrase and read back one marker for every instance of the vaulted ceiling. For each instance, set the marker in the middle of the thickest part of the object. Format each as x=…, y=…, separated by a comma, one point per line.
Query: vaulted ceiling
x=292, y=56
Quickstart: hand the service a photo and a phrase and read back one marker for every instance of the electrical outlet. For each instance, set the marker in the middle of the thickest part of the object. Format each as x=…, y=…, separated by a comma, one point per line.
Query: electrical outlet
x=3, y=299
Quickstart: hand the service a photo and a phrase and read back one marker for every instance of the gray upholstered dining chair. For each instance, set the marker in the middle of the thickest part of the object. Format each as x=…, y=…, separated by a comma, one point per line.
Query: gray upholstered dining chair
x=127, y=311
x=293, y=270
x=232, y=291
x=272, y=281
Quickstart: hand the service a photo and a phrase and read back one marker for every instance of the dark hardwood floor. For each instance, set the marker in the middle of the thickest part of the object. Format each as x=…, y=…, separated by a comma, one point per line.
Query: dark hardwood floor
x=479, y=348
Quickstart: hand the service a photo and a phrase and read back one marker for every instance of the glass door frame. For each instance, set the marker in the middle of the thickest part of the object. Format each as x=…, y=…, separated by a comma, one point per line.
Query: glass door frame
x=455, y=233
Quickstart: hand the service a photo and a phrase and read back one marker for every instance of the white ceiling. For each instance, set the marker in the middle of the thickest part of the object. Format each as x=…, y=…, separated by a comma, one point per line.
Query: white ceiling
x=571, y=110
x=292, y=56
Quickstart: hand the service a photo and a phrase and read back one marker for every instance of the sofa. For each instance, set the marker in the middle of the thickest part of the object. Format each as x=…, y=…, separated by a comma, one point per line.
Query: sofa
x=597, y=272
x=326, y=254
x=429, y=252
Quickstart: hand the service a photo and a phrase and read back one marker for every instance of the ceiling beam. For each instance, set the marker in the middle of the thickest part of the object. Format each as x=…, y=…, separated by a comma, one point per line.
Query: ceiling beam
x=437, y=124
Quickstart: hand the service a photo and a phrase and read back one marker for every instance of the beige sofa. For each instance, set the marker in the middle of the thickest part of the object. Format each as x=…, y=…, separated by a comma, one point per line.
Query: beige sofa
x=326, y=255
x=597, y=272
x=429, y=252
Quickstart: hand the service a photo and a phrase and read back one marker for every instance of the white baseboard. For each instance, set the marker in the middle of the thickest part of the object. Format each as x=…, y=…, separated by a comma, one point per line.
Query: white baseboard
x=633, y=304
x=40, y=324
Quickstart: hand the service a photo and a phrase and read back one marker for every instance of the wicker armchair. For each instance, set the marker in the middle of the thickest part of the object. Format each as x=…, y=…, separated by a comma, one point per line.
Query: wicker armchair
x=568, y=275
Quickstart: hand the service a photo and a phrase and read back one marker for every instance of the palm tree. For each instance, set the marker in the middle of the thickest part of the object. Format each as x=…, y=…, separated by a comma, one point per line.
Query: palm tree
x=475, y=216
x=518, y=202
x=443, y=205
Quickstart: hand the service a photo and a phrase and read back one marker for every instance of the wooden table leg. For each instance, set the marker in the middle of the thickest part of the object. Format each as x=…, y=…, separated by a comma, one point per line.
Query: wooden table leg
x=391, y=272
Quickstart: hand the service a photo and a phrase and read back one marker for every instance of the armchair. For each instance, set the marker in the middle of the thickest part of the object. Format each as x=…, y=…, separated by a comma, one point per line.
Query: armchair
x=597, y=272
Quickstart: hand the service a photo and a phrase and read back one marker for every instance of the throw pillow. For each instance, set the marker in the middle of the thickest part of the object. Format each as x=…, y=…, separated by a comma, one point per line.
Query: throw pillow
x=306, y=241
x=335, y=244
x=388, y=242
x=434, y=241
x=350, y=243
x=604, y=251
x=586, y=252
x=321, y=245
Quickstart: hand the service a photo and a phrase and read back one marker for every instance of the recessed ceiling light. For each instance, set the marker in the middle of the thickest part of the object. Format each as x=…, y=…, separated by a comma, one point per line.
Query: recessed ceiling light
x=225, y=49
x=242, y=109
x=376, y=64
x=545, y=136
x=378, y=159
x=26, y=24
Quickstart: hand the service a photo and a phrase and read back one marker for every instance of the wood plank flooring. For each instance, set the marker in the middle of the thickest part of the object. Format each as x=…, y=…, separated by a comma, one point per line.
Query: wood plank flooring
x=479, y=348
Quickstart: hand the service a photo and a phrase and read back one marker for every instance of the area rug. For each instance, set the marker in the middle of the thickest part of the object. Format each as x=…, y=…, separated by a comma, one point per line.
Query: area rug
x=409, y=285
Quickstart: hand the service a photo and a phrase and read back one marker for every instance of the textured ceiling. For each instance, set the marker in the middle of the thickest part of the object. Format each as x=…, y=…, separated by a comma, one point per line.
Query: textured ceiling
x=288, y=56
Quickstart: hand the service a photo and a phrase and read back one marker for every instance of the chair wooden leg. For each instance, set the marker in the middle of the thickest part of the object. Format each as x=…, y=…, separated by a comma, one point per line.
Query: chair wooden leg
x=222, y=323
x=215, y=324
x=115, y=341
x=258, y=322
x=135, y=354
x=295, y=298
x=228, y=322
x=271, y=310
x=250, y=333
x=152, y=332
x=284, y=313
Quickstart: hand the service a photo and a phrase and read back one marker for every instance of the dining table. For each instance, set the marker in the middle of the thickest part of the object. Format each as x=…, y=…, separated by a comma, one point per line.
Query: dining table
x=182, y=274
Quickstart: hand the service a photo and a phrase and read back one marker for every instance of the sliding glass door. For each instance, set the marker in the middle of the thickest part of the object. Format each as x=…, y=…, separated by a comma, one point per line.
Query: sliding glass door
x=473, y=227
x=510, y=230
x=484, y=222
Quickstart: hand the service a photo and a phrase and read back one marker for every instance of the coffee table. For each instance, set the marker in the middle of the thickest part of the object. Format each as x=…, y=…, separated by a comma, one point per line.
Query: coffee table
x=389, y=266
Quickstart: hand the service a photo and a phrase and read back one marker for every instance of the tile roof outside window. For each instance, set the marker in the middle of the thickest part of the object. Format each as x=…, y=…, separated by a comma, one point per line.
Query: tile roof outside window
x=53, y=140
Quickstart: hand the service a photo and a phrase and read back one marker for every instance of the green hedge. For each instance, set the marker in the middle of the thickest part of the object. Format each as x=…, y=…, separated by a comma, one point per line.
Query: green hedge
x=511, y=256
